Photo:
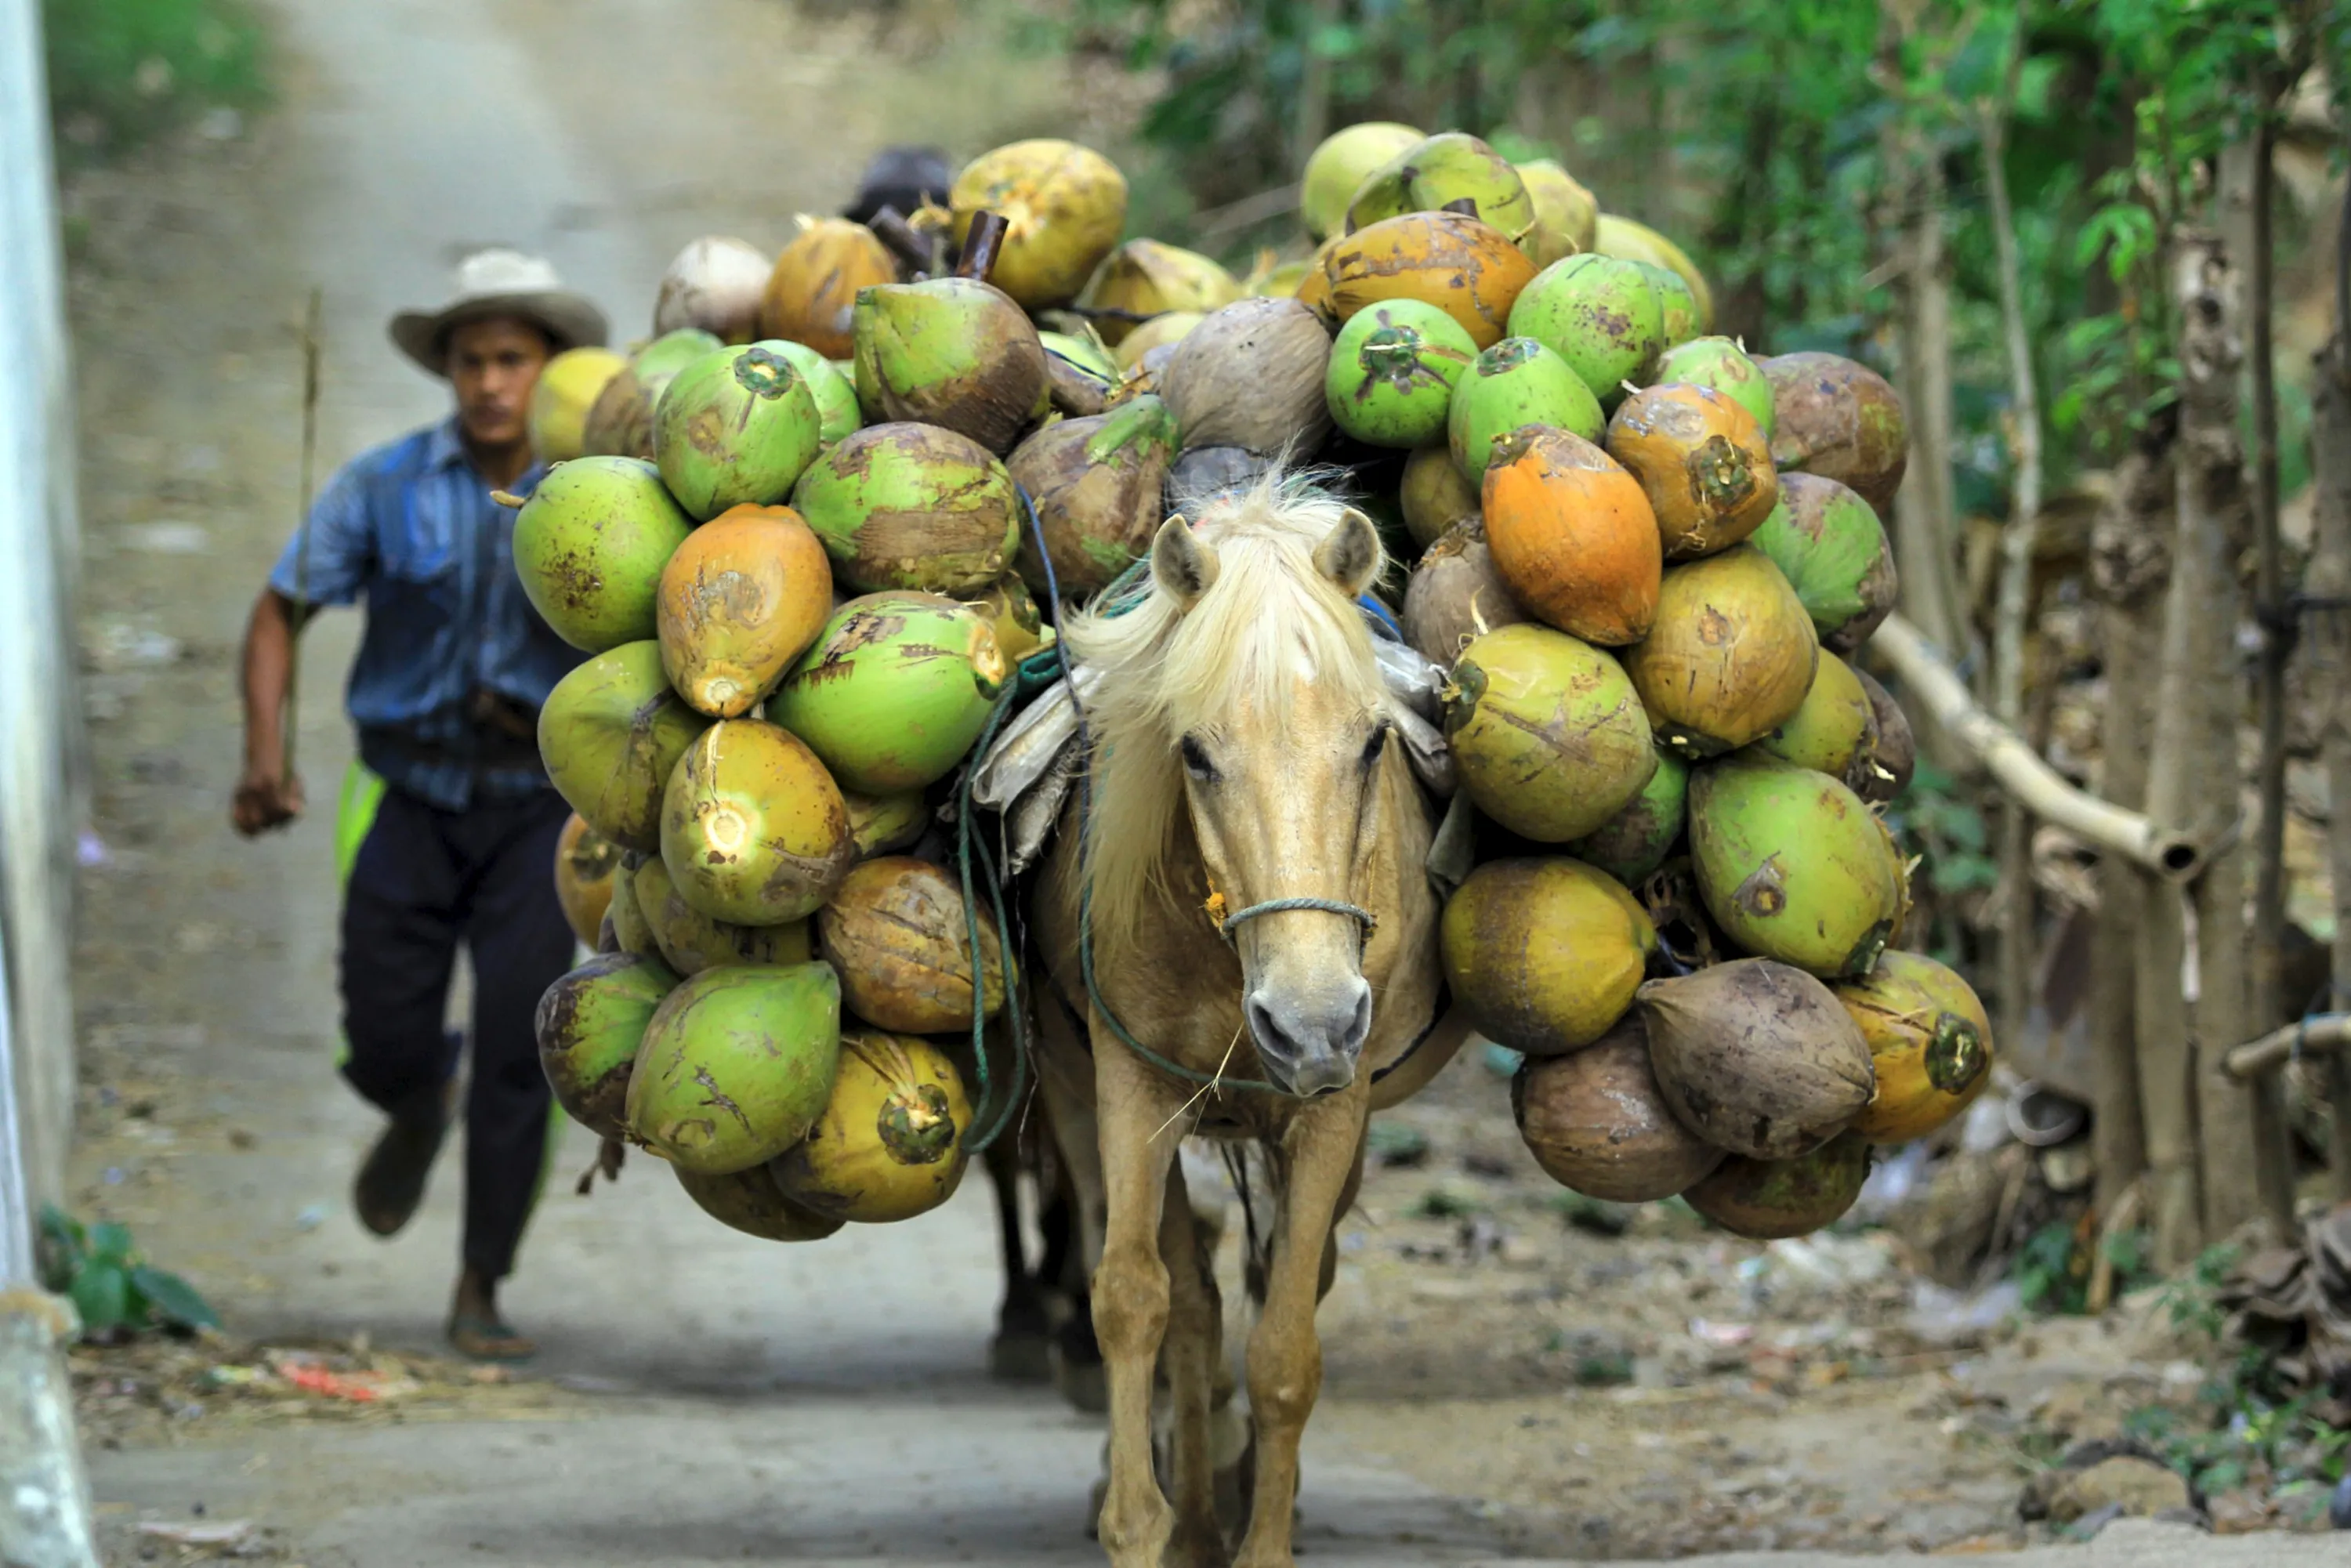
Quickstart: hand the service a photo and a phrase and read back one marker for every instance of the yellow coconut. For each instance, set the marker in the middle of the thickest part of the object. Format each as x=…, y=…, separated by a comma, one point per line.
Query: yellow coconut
x=1335, y=168
x=754, y=831
x=568, y=388
x=1159, y=332
x=890, y=1143
x=1628, y=241
x=1143, y=278
x=1566, y=217
x=1929, y=1040
x=815, y=282
x=586, y=861
x=1063, y=207
x=752, y=1203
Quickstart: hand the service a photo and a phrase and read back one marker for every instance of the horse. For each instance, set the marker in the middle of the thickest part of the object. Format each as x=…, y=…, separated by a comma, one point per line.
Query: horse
x=1237, y=901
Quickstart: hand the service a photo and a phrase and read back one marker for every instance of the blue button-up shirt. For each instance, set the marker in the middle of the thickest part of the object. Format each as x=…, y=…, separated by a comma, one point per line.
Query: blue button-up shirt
x=411, y=526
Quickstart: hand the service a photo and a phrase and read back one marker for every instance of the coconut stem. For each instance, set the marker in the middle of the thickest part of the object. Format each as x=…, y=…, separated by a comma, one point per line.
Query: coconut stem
x=890, y=226
x=980, y=244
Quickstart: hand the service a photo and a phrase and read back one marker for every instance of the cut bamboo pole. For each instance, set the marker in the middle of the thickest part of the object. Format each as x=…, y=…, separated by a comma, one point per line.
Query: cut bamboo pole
x=2322, y=1034
x=2327, y=635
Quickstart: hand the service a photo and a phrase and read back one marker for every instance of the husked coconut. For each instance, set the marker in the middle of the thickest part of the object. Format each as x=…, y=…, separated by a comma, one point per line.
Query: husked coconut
x=715, y=284
x=1250, y=375
x=1756, y=1058
x=1596, y=1122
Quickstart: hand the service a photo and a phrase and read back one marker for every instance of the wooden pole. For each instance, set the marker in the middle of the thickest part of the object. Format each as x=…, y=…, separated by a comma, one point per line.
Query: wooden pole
x=2322, y=1035
x=2327, y=631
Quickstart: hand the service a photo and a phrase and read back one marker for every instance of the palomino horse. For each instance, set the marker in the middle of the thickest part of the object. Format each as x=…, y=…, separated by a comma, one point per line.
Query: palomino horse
x=1246, y=863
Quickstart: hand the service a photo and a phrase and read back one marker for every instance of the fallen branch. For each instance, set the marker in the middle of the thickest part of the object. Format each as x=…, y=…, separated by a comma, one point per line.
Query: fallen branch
x=2315, y=1035
x=2019, y=769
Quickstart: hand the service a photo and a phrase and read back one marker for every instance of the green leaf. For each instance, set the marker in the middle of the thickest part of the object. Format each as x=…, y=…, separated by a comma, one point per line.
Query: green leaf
x=101, y=1294
x=109, y=1242
x=172, y=1299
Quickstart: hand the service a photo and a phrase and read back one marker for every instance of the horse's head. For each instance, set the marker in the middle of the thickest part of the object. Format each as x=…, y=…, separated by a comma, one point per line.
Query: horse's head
x=1260, y=704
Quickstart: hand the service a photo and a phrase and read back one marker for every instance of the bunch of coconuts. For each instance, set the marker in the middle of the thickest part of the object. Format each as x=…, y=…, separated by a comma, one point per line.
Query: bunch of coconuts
x=789, y=530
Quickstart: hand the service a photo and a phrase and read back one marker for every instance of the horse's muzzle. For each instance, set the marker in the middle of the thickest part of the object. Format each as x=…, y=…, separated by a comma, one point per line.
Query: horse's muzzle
x=1311, y=1046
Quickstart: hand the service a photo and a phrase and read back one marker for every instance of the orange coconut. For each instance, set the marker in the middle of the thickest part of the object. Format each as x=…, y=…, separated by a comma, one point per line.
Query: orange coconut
x=1704, y=461
x=739, y=600
x=1573, y=535
x=1471, y=271
x=816, y=280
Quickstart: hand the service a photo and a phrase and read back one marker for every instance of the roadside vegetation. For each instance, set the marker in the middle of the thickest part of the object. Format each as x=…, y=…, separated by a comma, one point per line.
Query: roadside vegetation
x=122, y=72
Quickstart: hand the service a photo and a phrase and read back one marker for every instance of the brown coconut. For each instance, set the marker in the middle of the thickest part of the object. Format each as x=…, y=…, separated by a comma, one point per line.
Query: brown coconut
x=1838, y=418
x=1456, y=596
x=895, y=931
x=619, y=423
x=1897, y=756
x=1765, y=1200
x=1596, y=1122
x=715, y=284
x=1756, y=1058
x=689, y=941
x=1434, y=495
x=1097, y=485
x=1250, y=375
x=813, y=286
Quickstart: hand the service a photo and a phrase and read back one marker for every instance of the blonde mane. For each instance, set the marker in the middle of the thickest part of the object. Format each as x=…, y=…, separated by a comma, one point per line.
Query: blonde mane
x=1165, y=671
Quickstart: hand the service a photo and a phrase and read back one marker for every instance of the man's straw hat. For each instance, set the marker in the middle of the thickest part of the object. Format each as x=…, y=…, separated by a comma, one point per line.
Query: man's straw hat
x=500, y=283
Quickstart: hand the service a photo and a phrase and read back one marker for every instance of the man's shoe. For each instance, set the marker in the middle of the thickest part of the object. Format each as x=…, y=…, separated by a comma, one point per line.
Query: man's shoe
x=391, y=1182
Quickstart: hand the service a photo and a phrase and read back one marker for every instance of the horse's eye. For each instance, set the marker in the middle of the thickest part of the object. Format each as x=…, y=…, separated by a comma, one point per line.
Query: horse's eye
x=1195, y=760
x=1374, y=746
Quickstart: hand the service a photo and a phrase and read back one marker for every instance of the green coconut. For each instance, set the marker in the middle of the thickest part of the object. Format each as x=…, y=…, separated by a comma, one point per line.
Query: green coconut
x=588, y=1025
x=631, y=933
x=611, y=733
x=1096, y=484
x=1544, y=955
x=1836, y=730
x=1548, y=734
x=895, y=690
x=1828, y=543
x=884, y=824
x=911, y=506
x=1793, y=865
x=589, y=545
x=836, y=395
x=1599, y=314
x=689, y=941
x=735, y=426
x=1729, y=656
x=1515, y=382
x=1722, y=364
x=1634, y=842
x=1340, y=165
x=1767, y=1200
x=621, y=421
x=949, y=351
x=737, y=1065
x=1392, y=370
x=754, y=830
x=752, y=1203
x=1677, y=304
x=1079, y=373
x=1438, y=170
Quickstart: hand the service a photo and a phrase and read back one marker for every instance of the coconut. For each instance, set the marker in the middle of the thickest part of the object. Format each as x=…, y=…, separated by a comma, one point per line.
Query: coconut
x=1392, y=373
x=589, y=547
x=1063, y=207
x=1250, y=375
x=1729, y=656
x=1838, y=419
x=689, y=941
x=1631, y=845
x=836, y=395
x=567, y=388
x=1703, y=461
x=588, y=1025
x=895, y=691
x=1599, y=314
x=1930, y=1039
x=1515, y=384
x=814, y=284
x=1010, y=611
x=1628, y=241
x=1829, y=544
x=620, y=420
x=751, y=1203
x=1548, y=735
x=1143, y=278
x=1897, y=749
x=1079, y=373
x=1438, y=170
x=1755, y=1056
x=1468, y=270
x=1722, y=364
x=1566, y=217
x=611, y=733
x=1207, y=473
x=911, y=506
x=1544, y=955
x=1159, y=332
x=1793, y=865
x=585, y=864
x=738, y=426
x=1834, y=732
x=1456, y=596
x=1573, y=534
x=1767, y=1200
x=754, y=830
x=1096, y=484
x=1677, y=307
x=896, y=932
x=740, y=600
x=883, y=824
x=1596, y=1122
x=1434, y=495
x=631, y=934
x=737, y=1064
x=1335, y=168
x=715, y=284
x=890, y=1143
x=949, y=351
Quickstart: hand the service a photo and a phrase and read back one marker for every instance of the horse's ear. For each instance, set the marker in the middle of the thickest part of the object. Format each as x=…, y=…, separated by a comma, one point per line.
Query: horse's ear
x=1349, y=554
x=1183, y=562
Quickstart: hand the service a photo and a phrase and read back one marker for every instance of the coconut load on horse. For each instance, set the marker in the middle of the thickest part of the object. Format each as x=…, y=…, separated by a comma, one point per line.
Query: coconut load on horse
x=1008, y=722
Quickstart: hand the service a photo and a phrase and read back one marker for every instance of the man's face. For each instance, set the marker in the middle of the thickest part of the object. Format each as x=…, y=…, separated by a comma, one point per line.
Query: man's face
x=494, y=365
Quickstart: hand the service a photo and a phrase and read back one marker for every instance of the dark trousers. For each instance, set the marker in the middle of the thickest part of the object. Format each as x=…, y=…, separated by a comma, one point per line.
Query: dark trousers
x=425, y=880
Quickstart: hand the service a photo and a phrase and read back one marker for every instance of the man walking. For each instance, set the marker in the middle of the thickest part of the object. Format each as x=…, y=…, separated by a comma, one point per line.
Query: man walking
x=446, y=828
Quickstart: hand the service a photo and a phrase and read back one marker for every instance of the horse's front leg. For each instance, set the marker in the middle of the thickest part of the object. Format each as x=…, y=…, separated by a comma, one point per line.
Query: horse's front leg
x=1285, y=1357
x=1135, y=1109
x=1189, y=1359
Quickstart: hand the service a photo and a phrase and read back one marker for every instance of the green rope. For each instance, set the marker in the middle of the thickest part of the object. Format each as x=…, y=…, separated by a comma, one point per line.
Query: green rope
x=988, y=1120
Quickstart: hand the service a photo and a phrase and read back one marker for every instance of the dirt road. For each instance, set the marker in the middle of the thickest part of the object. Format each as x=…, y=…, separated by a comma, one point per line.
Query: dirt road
x=707, y=1399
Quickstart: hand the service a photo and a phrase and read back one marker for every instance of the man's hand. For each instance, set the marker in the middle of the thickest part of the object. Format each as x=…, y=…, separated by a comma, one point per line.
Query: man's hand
x=266, y=797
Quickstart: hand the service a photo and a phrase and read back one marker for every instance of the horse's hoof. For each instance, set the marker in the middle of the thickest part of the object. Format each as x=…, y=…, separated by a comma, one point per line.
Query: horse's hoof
x=1020, y=1358
x=1084, y=1383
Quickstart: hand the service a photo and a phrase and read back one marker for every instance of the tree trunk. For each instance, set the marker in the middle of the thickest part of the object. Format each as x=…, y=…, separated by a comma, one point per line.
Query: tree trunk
x=2328, y=631
x=1313, y=109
